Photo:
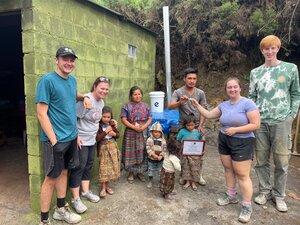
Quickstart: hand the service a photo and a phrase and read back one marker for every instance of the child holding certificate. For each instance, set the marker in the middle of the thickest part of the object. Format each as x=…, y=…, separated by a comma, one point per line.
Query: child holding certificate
x=190, y=163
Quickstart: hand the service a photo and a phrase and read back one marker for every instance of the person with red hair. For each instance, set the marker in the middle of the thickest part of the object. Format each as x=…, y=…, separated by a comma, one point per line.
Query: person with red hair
x=274, y=87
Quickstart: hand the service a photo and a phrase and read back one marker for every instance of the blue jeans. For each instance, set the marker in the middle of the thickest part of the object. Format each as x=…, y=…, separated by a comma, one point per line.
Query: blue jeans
x=154, y=166
x=275, y=138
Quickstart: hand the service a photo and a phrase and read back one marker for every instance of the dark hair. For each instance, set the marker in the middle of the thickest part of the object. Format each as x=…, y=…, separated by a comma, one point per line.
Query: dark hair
x=99, y=80
x=133, y=89
x=189, y=119
x=190, y=70
x=174, y=146
x=107, y=109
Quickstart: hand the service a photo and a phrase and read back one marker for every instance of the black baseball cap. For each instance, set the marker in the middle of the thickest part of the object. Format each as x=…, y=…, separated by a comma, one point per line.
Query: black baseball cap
x=65, y=51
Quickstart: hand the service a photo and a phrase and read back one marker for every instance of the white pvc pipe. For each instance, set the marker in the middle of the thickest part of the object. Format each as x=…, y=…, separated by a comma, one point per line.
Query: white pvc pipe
x=167, y=51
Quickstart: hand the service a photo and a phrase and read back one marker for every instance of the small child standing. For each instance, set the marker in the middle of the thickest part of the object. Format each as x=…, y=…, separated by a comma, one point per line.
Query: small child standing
x=167, y=174
x=190, y=164
x=108, y=151
x=156, y=147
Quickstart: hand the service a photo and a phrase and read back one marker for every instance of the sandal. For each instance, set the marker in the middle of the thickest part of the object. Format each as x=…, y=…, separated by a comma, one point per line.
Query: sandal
x=130, y=179
x=141, y=177
x=109, y=191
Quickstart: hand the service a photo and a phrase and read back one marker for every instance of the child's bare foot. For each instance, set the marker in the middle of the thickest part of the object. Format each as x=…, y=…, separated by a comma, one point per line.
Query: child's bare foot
x=186, y=186
x=194, y=186
x=109, y=190
x=103, y=193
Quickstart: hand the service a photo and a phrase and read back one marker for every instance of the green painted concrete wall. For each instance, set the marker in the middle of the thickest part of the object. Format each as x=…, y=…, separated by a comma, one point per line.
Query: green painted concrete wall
x=100, y=41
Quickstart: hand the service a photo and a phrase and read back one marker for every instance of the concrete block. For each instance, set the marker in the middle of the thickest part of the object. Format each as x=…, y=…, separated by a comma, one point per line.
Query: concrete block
x=81, y=85
x=85, y=68
x=35, y=202
x=55, y=27
x=35, y=183
x=32, y=125
x=27, y=19
x=67, y=29
x=42, y=63
x=42, y=21
x=49, y=7
x=26, y=4
x=112, y=70
x=99, y=69
x=92, y=53
x=34, y=145
x=99, y=39
x=35, y=165
x=27, y=42
x=12, y=5
x=30, y=106
x=30, y=82
x=28, y=63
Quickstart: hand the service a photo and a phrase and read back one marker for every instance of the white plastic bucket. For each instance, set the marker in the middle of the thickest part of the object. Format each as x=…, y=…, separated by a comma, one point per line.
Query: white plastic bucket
x=157, y=101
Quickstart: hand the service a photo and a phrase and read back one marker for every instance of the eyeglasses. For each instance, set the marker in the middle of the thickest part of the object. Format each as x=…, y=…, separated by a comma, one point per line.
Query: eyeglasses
x=103, y=79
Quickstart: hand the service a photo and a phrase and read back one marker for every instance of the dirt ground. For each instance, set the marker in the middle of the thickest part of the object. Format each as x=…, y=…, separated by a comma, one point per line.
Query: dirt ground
x=134, y=204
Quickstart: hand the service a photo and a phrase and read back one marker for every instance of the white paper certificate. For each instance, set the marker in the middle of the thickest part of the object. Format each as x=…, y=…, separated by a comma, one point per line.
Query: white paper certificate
x=193, y=147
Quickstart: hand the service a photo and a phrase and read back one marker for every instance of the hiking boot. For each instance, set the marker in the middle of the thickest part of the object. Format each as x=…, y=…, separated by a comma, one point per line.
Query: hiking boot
x=79, y=206
x=280, y=204
x=202, y=182
x=90, y=196
x=149, y=185
x=245, y=214
x=45, y=222
x=65, y=214
x=262, y=198
x=226, y=199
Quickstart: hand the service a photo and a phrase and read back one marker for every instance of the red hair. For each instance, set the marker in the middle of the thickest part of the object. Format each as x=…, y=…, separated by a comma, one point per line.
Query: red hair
x=269, y=41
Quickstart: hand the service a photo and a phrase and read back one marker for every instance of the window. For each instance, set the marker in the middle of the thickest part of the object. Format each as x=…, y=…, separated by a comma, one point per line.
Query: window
x=131, y=51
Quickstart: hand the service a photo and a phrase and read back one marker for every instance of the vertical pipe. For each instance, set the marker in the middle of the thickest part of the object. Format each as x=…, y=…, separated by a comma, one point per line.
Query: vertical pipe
x=167, y=51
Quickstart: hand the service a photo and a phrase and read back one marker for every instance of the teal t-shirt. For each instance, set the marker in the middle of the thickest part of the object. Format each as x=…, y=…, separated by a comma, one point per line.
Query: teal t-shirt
x=60, y=96
x=185, y=134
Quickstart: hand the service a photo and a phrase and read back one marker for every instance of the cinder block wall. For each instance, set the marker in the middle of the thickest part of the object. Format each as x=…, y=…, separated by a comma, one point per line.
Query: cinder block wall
x=100, y=40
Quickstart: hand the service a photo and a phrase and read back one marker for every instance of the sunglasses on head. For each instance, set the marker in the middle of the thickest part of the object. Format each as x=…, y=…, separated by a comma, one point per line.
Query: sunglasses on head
x=103, y=79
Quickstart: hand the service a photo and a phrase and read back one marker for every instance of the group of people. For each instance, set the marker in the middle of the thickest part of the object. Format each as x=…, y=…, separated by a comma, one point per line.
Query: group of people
x=74, y=125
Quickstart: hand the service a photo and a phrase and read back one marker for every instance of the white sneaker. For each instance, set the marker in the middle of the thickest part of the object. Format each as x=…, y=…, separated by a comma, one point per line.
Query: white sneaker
x=202, y=182
x=65, y=214
x=149, y=185
x=280, y=204
x=90, y=196
x=79, y=206
x=262, y=198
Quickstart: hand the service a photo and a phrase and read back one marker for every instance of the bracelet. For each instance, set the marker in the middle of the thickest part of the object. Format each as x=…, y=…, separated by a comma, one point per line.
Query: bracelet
x=86, y=97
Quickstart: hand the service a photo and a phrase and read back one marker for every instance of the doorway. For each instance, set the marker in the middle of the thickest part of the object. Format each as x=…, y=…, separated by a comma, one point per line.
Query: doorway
x=14, y=184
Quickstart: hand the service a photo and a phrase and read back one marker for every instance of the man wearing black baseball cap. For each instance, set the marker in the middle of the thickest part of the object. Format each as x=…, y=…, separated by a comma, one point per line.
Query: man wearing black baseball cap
x=63, y=51
x=56, y=97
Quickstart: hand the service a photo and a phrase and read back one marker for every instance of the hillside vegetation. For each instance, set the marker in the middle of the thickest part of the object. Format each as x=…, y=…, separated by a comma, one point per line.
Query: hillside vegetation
x=220, y=37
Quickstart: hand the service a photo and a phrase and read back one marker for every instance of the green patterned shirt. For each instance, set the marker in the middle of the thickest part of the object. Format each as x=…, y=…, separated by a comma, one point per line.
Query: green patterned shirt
x=276, y=91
